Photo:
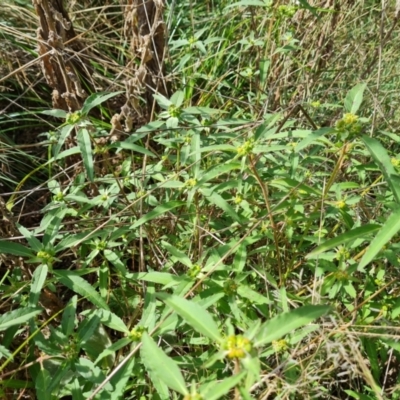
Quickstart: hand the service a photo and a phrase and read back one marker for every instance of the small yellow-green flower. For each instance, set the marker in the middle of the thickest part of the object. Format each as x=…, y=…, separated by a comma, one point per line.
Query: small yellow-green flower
x=246, y=148
x=190, y=183
x=316, y=104
x=341, y=204
x=342, y=276
x=136, y=333
x=238, y=199
x=237, y=346
x=73, y=118
x=395, y=162
x=279, y=345
x=350, y=118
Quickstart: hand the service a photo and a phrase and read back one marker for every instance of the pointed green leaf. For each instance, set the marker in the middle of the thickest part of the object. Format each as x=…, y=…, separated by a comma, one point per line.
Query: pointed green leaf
x=133, y=147
x=15, y=249
x=357, y=233
x=219, y=201
x=64, y=133
x=195, y=315
x=18, y=317
x=80, y=286
x=31, y=239
x=55, y=113
x=85, y=146
x=382, y=159
x=38, y=280
x=159, y=364
x=68, y=317
x=218, y=170
x=354, y=98
x=96, y=99
x=120, y=380
x=313, y=137
x=216, y=390
x=388, y=230
x=42, y=383
x=158, y=211
x=180, y=257
x=287, y=322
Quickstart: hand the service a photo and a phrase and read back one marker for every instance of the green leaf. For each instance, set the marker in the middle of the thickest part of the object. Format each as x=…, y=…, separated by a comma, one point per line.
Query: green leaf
x=354, y=98
x=382, y=159
x=218, y=200
x=195, y=315
x=313, y=137
x=64, y=133
x=134, y=147
x=216, y=390
x=4, y=352
x=359, y=396
x=113, y=258
x=287, y=322
x=305, y=4
x=87, y=329
x=112, y=320
x=53, y=227
x=388, y=230
x=113, y=348
x=15, y=249
x=68, y=317
x=80, y=286
x=159, y=364
x=202, y=110
x=31, y=239
x=18, y=316
x=158, y=211
x=177, y=98
x=96, y=99
x=42, y=383
x=38, y=280
x=120, y=380
x=180, y=257
x=248, y=3
x=218, y=170
x=85, y=146
x=344, y=238
x=55, y=113
x=163, y=278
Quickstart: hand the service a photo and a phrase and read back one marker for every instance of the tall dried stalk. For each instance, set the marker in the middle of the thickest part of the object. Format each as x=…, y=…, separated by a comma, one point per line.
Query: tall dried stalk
x=57, y=41
x=146, y=31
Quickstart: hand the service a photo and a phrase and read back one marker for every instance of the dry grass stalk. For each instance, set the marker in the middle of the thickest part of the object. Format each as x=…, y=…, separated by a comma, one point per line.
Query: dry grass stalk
x=146, y=31
x=55, y=35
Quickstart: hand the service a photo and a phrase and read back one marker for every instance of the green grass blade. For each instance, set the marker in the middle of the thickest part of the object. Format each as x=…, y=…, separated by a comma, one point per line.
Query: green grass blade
x=159, y=364
x=388, y=230
x=195, y=315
